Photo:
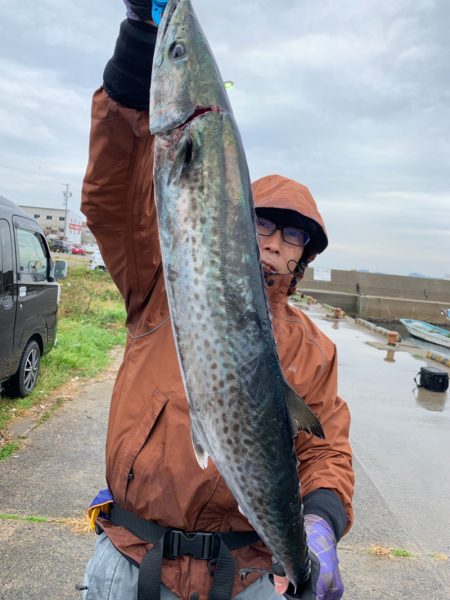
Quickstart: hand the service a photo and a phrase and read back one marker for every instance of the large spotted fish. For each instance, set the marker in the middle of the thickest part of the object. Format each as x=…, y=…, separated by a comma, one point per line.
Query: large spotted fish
x=243, y=413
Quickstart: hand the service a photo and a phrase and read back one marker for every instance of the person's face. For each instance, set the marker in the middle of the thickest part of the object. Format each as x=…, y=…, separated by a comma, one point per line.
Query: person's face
x=277, y=255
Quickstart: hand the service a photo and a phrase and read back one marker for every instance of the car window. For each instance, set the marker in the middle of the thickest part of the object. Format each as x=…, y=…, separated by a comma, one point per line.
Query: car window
x=6, y=256
x=33, y=262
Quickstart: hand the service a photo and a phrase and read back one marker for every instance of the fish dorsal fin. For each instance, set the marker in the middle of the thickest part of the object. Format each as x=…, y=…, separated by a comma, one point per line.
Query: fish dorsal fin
x=301, y=416
x=199, y=450
x=182, y=159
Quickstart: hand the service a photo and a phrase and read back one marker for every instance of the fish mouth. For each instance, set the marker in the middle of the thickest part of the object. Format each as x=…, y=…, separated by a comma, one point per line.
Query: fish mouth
x=167, y=16
x=185, y=120
x=200, y=111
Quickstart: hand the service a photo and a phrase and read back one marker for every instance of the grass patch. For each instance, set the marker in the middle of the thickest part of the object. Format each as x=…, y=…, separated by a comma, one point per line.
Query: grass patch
x=439, y=556
x=8, y=450
x=384, y=552
x=28, y=519
x=401, y=553
x=91, y=320
x=79, y=525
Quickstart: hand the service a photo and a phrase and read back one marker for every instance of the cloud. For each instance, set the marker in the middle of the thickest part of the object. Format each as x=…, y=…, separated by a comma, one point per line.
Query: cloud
x=350, y=98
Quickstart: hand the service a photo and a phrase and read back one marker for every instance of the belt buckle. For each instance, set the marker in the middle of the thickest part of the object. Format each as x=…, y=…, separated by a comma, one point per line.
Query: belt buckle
x=198, y=545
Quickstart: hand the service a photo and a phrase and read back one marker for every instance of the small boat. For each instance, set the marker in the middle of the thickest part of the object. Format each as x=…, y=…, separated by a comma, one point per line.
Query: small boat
x=446, y=313
x=426, y=331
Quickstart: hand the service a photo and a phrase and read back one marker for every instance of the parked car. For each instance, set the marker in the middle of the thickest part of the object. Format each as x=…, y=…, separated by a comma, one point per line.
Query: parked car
x=91, y=248
x=29, y=296
x=96, y=262
x=77, y=249
x=58, y=246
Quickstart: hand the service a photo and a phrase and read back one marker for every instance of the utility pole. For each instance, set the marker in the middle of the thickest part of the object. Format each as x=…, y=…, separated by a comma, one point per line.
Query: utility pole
x=67, y=194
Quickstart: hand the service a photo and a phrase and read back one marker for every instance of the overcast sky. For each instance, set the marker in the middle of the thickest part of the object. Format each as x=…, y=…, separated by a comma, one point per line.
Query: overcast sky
x=351, y=98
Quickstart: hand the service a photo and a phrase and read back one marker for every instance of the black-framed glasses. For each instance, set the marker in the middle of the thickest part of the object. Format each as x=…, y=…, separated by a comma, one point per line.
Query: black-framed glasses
x=291, y=235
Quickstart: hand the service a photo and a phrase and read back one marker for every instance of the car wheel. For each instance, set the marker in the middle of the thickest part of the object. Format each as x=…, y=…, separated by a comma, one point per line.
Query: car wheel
x=24, y=381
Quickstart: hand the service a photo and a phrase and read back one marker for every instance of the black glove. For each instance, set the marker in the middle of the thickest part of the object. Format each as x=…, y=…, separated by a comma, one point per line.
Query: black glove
x=139, y=10
x=308, y=591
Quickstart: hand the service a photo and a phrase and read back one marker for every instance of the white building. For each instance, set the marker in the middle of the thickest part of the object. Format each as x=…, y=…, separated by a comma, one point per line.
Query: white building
x=53, y=223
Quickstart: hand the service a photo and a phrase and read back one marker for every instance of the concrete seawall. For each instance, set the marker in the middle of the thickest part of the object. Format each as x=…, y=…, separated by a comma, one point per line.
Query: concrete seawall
x=381, y=297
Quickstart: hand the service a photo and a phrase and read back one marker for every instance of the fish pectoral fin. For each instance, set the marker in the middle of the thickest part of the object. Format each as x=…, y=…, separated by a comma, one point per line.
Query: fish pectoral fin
x=301, y=415
x=182, y=159
x=200, y=453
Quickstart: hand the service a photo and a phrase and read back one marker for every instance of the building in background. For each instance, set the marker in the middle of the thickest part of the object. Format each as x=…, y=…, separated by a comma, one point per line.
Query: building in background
x=87, y=237
x=54, y=224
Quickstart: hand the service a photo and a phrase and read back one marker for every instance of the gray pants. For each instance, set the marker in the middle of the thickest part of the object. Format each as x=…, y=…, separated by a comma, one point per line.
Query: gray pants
x=109, y=576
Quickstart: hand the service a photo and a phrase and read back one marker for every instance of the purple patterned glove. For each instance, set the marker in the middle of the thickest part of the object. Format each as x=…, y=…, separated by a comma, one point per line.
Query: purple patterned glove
x=325, y=582
x=322, y=542
x=138, y=10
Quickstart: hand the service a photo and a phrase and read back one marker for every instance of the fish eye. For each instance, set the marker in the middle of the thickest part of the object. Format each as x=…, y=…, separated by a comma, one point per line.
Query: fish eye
x=177, y=50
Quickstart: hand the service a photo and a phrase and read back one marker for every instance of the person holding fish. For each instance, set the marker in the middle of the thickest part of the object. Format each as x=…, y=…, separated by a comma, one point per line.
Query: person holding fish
x=228, y=461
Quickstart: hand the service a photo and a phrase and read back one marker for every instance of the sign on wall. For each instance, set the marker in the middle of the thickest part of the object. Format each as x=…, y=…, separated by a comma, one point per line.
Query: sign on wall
x=322, y=274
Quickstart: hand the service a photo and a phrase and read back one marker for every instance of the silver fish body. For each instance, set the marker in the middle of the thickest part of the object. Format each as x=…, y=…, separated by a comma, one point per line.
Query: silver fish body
x=242, y=412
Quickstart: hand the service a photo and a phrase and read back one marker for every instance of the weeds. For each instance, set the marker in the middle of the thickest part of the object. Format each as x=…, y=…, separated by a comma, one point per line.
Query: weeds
x=384, y=552
x=8, y=450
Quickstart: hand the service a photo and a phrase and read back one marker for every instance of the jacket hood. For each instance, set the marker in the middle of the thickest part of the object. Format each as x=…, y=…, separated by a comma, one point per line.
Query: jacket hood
x=275, y=191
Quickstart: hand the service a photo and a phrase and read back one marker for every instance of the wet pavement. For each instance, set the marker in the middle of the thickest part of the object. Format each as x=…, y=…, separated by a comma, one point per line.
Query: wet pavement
x=401, y=441
x=400, y=433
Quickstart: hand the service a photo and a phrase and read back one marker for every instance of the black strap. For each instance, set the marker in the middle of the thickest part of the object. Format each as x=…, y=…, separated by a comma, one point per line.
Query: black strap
x=173, y=543
x=223, y=577
x=149, y=580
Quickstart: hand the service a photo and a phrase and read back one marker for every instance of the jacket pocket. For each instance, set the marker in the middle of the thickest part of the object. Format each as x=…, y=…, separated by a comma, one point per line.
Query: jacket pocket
x=141, y=436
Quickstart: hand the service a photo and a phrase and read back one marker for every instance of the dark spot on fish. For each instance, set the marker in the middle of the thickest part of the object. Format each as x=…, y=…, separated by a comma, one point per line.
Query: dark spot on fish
x=229, y=441
x=207, y=344
x=220, y=400
x=226, y=429
x=214, y=366
x=221, y=383
x=203, y=220
x=236, y=415
x=236, y=427
x=230, y=377
x=197, y=296
x=214, y=378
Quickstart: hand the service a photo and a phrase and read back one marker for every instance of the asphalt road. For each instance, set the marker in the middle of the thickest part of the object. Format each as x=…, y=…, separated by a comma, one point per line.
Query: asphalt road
x=402, y=497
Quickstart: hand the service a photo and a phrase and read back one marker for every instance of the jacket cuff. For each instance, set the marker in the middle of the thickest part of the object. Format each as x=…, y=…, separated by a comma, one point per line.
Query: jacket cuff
x=327, y=504
x=128, y=73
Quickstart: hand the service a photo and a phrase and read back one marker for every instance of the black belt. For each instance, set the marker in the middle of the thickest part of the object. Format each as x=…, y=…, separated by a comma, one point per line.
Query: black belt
x=173, y=543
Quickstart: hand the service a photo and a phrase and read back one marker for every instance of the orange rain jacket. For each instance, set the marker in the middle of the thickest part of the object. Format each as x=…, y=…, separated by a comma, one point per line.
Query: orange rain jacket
x=150, y=464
